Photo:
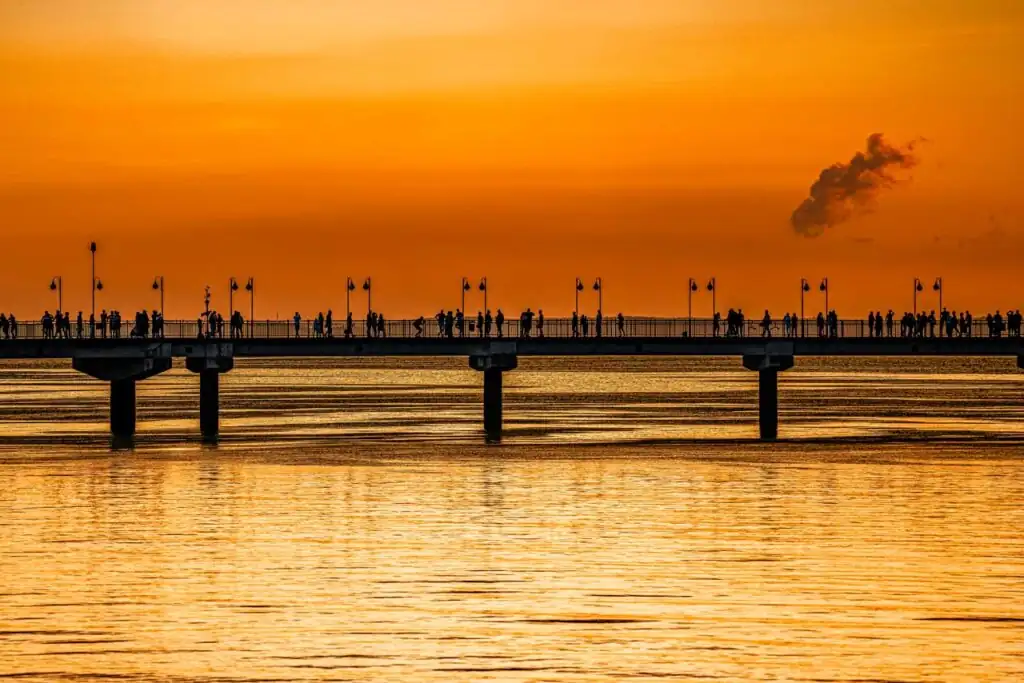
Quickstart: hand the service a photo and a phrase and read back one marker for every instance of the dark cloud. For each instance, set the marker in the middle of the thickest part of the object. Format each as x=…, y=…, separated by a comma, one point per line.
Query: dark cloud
x=843, y=190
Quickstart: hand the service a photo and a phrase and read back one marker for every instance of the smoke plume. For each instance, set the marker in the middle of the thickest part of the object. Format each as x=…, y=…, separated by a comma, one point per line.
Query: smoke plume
x=843, y=190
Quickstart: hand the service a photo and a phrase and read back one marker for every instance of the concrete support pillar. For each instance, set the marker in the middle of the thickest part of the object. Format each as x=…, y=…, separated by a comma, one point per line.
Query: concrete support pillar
x=493, y=361
x=209, y=404
x=122, y=408
x=123, y=372
x=492, y=402
x=209, y=367
x=768, y=363
x=768, y=403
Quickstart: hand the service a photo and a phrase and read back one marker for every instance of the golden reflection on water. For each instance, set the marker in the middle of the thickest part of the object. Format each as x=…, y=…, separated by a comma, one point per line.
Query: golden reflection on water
x=352, y=526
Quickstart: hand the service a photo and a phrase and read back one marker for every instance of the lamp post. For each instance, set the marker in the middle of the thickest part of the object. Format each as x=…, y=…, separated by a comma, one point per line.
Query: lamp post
x=368, y=288
x=349, y=288
x=92, y=248
x=598, y=289
x=823, y=287
x=691, y=287
x=57, y=285
x=158, y=284
x=483, y=288
x=712, y=286
x=465, y=288
x=917, y=288
x=938, y=288
x=232, y=288
x=579, y=288
x=250, y=287
x=805, y=286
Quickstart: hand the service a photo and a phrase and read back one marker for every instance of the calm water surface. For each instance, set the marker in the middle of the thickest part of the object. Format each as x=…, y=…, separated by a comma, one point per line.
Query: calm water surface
x=352, y=525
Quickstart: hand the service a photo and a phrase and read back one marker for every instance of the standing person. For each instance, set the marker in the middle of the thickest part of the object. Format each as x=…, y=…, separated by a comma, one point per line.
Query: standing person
x=4, y=326
x=499, y=320
x=330, y=323
x=585, y=324
x=78, y=325
x=382, y=329
x=716, y=324
x=103, y=323
x=440, y=322
x=14, y=326
x=621, y=322
x=348, y=324
x=92, y=326
x=480, y=323
x=575, y=324
x=766, y=324
x=488, y=321
x=297, y=320
x=540, y=323
x=871, y=323
x=599, y=320
x=460, y=322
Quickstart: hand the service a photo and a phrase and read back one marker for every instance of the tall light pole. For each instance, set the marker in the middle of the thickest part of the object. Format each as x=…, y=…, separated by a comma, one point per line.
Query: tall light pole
x=368, y=287
x=823, y=287
x=483, y=288
x=938, y=288
x=349, y=288
x=600, y=293
x=232, y=288
x=465, y=288
x=691, y=287
x=579, y=288
x=712, y=286
x=57, y=285
x=158, y=284
x=250, y=287
x=805, y=286
x=92, y=248
x=917, y=288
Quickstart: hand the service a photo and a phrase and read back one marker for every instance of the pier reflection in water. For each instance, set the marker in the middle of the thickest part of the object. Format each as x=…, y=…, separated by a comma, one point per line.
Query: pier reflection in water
x=352, y=525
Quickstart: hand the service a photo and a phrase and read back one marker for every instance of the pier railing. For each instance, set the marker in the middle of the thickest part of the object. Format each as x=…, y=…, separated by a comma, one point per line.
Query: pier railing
x=553, y=327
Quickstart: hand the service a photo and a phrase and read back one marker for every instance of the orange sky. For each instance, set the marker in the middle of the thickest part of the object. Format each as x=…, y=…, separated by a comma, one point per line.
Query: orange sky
x=645, y=141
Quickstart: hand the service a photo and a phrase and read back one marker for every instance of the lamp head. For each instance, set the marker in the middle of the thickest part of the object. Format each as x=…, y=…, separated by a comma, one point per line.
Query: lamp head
x=92, y=247
x=366, y=285
x=99, y=284
x=249, y=285
x=597, y=285
x=156, y=283
x=579, y=285
x=465, y=285
x=806, y=286
x=918, y=286
x=483, y=285
x=711, y=285
x=693, y=286
x=938, y=284
x=823, y=286
x=234, y=285
x=53, y=284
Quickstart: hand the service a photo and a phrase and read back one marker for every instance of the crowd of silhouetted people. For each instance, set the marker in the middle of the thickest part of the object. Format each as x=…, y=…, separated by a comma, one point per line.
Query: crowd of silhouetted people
x=531, y=324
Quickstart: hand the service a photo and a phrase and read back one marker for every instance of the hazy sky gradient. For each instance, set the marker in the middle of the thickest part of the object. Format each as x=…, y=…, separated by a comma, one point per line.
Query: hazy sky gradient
x=646, y=141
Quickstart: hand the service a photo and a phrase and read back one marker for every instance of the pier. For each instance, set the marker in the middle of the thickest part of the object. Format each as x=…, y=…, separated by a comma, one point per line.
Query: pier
x=122, y=362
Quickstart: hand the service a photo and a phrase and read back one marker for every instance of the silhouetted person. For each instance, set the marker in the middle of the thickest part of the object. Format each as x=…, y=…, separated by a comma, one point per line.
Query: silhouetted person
x=5, y=327
x=382, y=329
x=14, y=326
x=585, y=324
x=348, y=325
x=460, y=322
x=499, y=321
x=440, y=323
x=297, y=322
x=540, y=323
x=103, y=323
x=329, y=331
x=575, y=324
x=488, y=321
x=418, y=326
x=716, y=324
x=871, y=323
x=598, y=323
x=766, y=324
x=620, y=321
x=480, y=323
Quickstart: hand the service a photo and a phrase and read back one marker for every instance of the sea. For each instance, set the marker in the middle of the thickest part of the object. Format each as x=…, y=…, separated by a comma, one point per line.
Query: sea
x=353, y=524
